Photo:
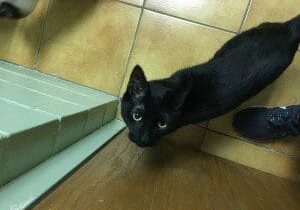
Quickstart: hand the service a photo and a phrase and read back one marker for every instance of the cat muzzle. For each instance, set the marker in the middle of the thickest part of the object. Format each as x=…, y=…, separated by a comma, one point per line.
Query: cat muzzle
x=143, y=141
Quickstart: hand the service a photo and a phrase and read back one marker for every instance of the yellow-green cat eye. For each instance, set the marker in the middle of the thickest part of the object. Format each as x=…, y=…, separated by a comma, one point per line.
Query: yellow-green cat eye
x=137, y=117
x=162, y=125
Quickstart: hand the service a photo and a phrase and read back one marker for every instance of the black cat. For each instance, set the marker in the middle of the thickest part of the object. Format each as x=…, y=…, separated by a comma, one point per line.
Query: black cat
x=243, y=67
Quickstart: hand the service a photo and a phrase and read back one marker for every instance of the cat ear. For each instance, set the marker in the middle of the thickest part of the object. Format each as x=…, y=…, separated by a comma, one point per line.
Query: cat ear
x=138, y=84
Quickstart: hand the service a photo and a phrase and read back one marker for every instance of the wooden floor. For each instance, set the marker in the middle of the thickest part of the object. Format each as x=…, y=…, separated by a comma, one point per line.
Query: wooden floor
x=173, y=176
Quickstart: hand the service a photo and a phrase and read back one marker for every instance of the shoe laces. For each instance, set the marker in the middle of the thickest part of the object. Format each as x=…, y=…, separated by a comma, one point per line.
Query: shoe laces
x=285, y=123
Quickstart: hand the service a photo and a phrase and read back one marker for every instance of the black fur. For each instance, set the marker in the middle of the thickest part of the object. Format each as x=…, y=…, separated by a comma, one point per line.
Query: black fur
x=9, y=11
x=243, y=67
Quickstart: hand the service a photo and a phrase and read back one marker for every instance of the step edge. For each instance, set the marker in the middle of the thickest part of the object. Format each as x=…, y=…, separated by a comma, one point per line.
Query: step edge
x=14, y=194
x=52, y=78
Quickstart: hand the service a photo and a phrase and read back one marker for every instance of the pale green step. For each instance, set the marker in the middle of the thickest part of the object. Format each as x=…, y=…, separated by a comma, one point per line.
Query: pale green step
x=41, y=87
x=76, y=110
x=26, y=189
x=66, y=90
x=72, y=116
x=83, y=90
x=30, y=136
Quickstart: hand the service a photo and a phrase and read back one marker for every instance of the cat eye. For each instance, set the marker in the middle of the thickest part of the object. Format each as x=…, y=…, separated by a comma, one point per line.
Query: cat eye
x=137, y=117
x=162, y=125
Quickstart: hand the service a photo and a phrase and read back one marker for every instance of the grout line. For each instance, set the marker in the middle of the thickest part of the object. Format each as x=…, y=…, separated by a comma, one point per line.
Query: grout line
x=131, y=50
x=104, y=112
x=204, y=134
x=86, y=119
x=137, y=29
x=130, y=4
x=42, y=35
x=253, y=143
x=180, y=18
x=245, y=15
x=203, y=138
x=192, y=21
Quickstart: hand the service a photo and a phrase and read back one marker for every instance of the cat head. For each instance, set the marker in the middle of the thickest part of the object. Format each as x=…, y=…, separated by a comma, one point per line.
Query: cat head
x=151, y=109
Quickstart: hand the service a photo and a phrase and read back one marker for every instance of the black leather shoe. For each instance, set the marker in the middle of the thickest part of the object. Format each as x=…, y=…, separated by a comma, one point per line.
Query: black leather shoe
x=262, y=123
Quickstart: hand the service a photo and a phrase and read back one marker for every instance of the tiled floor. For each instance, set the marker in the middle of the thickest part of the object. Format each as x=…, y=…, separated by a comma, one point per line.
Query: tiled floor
x=97, y=42
x=226, y=15
x=91, y=42
x=163, y=45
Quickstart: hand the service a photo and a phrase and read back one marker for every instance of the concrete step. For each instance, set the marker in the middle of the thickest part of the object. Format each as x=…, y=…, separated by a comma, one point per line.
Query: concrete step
x=42, y=115
x=23, y=191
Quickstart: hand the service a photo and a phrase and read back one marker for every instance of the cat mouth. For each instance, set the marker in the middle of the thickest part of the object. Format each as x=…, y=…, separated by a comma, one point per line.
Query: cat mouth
x=143, y=145
x=139, y=143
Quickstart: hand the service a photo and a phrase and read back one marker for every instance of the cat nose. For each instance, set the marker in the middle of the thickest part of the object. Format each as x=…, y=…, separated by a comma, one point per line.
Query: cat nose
x=136, y=139
x=144, y=139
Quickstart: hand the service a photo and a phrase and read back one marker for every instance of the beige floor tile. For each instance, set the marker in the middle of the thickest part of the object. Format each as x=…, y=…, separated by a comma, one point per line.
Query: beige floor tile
x=188, y=137
x=88, y=42
x=226, y=14
x=165, y=45
x=202, y=124
x=19, y=39
x=135, y=2
x=251, y=155
x=271, y=11
x=283, y=92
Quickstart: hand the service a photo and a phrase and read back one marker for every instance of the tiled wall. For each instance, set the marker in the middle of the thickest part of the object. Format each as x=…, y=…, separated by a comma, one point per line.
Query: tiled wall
x=97, y=42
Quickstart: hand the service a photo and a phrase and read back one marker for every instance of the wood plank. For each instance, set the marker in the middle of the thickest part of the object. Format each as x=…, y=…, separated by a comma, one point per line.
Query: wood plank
x=172, y=176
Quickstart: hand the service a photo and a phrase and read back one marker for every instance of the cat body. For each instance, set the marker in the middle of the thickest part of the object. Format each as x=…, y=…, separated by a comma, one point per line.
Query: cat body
x=243, y=67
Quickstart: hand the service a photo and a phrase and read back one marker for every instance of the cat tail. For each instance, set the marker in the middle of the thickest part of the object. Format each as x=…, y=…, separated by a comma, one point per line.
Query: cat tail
x=294, y=25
